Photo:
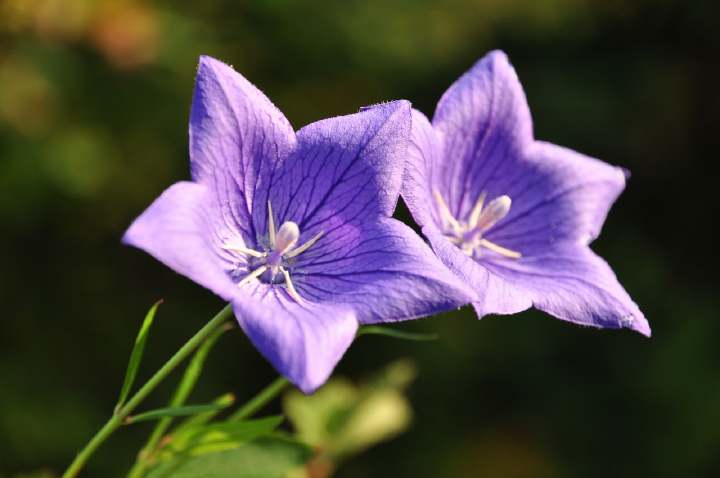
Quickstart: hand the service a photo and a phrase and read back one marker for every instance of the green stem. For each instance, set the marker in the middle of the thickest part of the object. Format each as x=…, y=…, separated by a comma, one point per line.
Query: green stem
x=181, y=394
x=117, y=419
x=260, y=400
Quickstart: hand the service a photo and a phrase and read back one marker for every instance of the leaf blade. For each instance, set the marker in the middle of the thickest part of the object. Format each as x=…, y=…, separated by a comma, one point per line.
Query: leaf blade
x=137, y=354
x=181, y=411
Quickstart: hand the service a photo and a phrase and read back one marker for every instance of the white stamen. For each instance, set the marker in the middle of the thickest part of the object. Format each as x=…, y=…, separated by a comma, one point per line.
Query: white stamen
x=475, y=214
x=445, y=212
x=468, y=235
x=282, y=244
x=290, y=287
x=287, y=237
x=496, y=209
x=500, y=250
x=242, y=250
x=304, y=247
x=271, y=225
x=253, y=275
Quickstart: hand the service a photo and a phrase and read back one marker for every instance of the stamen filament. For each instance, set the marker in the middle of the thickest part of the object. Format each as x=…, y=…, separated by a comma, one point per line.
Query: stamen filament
x=244, y=250
x=271, y=225
x=445, y=211
x=253, y=275
x=290, y=287
x=500, y=250
x=475, y=214
x=305, y=247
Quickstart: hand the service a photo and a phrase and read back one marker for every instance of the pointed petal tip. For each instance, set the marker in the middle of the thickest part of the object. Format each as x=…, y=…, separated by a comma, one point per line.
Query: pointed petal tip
x=126, y=239
x=306, y=387
x=640, y=325
x=495, y=58
x=206, y=61
x=210, y=65
x=496, y=62
x=497, y=55
x=133, y=235
x=304, y=344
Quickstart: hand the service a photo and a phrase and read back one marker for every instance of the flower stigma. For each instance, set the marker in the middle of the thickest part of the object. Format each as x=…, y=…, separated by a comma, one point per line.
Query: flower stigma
x=468, y=234
x=272, y=264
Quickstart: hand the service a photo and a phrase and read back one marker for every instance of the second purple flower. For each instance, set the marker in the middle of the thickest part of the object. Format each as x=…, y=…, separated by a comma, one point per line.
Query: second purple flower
x=511, y=215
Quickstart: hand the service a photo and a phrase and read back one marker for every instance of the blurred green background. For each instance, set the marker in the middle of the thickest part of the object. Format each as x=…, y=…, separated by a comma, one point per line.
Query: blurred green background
x=94, y=101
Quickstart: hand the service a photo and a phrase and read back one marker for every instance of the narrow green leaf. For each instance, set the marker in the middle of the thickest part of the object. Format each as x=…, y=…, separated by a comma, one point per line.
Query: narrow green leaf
x=183, y=411
x=225, y=400
x=183, y=390
x=397, y=334
x=136, y=355
x=193, y=370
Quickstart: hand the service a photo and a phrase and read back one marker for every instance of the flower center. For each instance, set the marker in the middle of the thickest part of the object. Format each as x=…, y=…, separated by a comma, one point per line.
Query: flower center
x=272, y=265
x=468, y=234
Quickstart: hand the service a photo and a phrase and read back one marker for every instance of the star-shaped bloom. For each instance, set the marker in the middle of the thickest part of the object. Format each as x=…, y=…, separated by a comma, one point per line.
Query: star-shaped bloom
x=510, y=215
x=294, y=228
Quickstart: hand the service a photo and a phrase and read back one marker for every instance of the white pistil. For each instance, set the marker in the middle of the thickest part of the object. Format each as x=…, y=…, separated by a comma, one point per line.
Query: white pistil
x=282, y=244
x=468, y=235
x=495, y=210
x=286, y=237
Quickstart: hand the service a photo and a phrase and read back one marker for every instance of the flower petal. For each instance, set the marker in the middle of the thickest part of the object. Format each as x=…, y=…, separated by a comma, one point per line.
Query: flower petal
x=303, y=342
x=573, y=284
x=558, y=195
x=345, y=169
x=483, y=119
x=493, y=294
x=175, y=230
x=383, y=270
x=237, y=140
x=424, y=158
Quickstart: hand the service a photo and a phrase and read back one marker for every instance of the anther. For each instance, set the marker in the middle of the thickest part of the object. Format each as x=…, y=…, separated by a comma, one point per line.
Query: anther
x=287, y=237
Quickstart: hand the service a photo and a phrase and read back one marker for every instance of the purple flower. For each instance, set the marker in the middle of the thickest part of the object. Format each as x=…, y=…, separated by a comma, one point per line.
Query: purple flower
x=295, y=229
x=512, y=216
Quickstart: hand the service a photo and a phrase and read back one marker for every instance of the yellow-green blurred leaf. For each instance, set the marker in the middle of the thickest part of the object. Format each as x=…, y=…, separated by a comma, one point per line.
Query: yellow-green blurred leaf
x=215, y=437
x=270, y=457
x=343, y=419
